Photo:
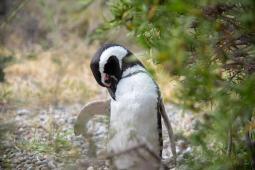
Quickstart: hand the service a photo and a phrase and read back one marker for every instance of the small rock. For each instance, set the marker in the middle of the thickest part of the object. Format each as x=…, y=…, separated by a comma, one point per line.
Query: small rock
x=72, y=120
x=31, y=158
x=40, y=158
x=90, y=168
x=27, y=166
x=42, y=119
x=11, y=155
x=77, y=143
x=28, y=161
x=16, y=161
x=45, y=161
x=34, y=161
x=44, y=168
x=38, y=163
x=31, y=168
x=20, y=166
x=51, y=164
x=18, y=154
x=22, y=112
x=21, y=159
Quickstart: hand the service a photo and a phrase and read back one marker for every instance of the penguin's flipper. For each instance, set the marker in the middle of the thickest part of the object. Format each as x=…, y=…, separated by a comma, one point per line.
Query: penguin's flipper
x=101, y=107
x=169, y=128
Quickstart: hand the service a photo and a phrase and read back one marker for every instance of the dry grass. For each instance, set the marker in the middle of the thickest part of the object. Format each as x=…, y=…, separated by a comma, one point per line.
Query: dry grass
x=168, y=85
x=60, y=73
x=63, y=75
x=53, y=76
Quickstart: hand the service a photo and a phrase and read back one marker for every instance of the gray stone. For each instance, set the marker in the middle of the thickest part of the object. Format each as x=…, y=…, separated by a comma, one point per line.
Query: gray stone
x=45, y=161
x=31, y=168
x=90, y=168
x=16, y=161
x=20, y=166
x=28, y=161
x=31, y=157
x=22, y=112
x=18, y=154
x=22, y=159
x=51, y=165
x=34, y=160
x=41, y=167
x=38, y=163
x=11, y=155
x=44, y=168
x=28, y=166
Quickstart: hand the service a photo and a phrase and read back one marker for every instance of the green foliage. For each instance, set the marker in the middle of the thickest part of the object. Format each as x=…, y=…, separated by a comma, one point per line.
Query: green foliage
x=211, y=45
x=4, y=61
x=5, y=90
x=5, y=93
x=57, y=145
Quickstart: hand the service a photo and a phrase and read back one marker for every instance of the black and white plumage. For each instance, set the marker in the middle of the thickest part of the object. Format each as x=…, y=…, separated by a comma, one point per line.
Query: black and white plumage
x=136, y=105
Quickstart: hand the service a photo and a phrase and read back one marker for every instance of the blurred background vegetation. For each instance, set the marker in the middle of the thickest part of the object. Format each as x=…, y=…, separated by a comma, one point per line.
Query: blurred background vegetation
x=208, y=45
x=44, y=56
x=201, y=52
x=60, y=37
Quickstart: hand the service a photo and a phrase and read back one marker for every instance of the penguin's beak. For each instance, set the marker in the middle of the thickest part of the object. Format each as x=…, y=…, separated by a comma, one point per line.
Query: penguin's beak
x=110, y=83
x=110, y=80
x=107, y=81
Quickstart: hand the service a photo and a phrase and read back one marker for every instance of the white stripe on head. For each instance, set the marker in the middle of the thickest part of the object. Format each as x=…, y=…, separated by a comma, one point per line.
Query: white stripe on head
x=118, y=51
x=133, y=69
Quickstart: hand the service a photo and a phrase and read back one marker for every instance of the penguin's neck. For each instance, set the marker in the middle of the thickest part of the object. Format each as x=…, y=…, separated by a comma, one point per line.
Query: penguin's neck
x=133, y=70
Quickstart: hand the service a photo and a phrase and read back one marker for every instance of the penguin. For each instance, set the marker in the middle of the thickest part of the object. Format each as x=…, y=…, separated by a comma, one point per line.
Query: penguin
x=136, y=108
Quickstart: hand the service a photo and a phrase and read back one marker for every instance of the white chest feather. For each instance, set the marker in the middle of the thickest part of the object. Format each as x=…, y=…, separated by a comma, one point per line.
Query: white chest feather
x=134, y=116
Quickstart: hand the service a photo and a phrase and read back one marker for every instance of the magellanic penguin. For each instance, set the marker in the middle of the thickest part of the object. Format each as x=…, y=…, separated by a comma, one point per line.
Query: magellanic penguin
x=136, y=108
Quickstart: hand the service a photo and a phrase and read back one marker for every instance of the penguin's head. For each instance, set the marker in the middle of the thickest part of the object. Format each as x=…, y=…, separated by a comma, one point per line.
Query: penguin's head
x=108, y=64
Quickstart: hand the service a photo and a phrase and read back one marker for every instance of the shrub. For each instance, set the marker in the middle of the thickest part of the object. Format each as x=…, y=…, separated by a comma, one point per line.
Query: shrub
x=210, y=45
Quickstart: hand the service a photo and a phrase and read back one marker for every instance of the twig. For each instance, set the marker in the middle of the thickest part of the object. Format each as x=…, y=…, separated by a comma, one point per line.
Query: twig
x=251, y=147
x=230, y=142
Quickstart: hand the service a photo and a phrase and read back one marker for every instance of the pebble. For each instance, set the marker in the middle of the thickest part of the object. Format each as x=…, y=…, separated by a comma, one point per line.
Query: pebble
x=16, y=161
x=44, y=168
x=31, y=168
x=21, y=159
x=45, y=161
x=82, y=163
x=18, y=154
x=41, y=166
x=51, y=164
x=22, y=112
x=27, y=165
x=11, y=155
x=31, y=157
x=20, y=166
x=64, y=119
x=38, y=163
x=28, y=162
x=90, y=168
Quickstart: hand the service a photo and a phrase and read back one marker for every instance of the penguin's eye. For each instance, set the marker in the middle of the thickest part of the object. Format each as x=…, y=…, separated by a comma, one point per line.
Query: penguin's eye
x=112, y=66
